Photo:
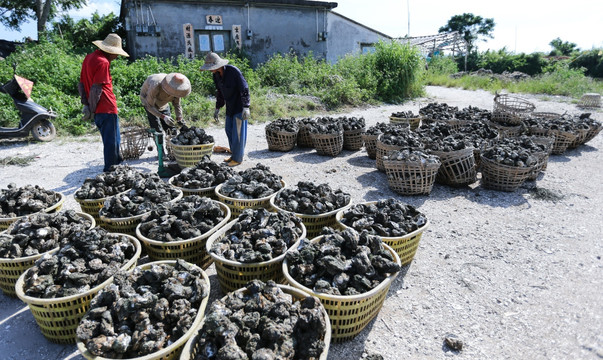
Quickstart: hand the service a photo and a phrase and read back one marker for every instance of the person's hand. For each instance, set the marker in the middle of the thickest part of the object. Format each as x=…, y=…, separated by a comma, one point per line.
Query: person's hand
x=169, y=121
x=216, y=115
x=180, y=123
x=245, y=114
x=87, y=113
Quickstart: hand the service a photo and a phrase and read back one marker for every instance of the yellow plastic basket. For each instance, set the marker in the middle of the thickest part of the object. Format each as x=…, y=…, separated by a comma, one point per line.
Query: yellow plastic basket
x=59, y=318
x=11, y=269
x=190, y=250
x=405, y=246
x=191, y=349
x=237, y=206
x=5, y=222
x=127, y=225
x=190, y=155
x=349, y=315
x=174, y=350
x=314, y=223
x=233, y=275
x=93, y=206
x=209, y=192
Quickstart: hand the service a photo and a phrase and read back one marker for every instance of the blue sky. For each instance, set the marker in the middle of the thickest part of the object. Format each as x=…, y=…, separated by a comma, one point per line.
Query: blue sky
x=521, y=26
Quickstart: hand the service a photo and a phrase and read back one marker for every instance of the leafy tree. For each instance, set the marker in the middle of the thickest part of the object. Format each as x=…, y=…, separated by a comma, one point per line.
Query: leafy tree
x=562, y=48
x=470, y=26
x=83, y=32
x=16, y=12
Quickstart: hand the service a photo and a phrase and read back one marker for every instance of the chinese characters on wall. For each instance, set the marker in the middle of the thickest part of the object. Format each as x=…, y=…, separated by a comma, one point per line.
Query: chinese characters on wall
x=213, y=19
x=189, y=43
x=236, y=35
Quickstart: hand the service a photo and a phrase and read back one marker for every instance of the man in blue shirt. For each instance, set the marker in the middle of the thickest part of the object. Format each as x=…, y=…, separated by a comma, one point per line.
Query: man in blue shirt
x=233, y=92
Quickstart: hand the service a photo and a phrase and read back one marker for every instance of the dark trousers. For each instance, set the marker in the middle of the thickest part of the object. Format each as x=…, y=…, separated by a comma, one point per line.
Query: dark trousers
x=108, y=125
x=158, y=124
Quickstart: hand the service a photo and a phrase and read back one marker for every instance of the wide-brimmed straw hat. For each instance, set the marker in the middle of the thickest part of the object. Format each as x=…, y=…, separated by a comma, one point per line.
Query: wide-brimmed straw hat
x=213, y=62
x=111, y=45
x=176, y=84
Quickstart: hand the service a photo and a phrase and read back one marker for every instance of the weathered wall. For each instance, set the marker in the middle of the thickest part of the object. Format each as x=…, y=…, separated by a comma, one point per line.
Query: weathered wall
x=346, y=36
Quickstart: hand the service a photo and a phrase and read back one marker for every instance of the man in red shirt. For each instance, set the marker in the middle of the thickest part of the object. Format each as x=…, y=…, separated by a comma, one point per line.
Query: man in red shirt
x=96, y=94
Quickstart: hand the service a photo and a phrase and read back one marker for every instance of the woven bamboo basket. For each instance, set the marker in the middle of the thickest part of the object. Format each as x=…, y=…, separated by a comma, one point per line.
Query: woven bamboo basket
x=349, y=315
x=590, y=100
x=233, y=275
x=541, y=156
x=174, y=350
x=562, y=140
x=314, y=223
x=127, y=225
x=580, y=139
x=328, y=144
x=190, y=155
x=93, y=206
x=545, y=115
x=134, y=141
x=411, y=178
x=593, y=132
x=352, y=139
x=59, y=318
x=237, y=206
x=413, y=123
x=304, y=138
x=456, y=124
x=458, y=167
x=384, y=150
x=280, y=140
x=190, y=250
x=11, y=269
x=5, y=222
x=370, y=144
x=511, y=109
x=209, y=192
x=502, y=177
x=506, y=131
x=405, y=246
x=191, y=348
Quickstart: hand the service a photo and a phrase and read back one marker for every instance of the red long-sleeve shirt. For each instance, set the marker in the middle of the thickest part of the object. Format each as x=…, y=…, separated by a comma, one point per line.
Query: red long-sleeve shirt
x=96, y=69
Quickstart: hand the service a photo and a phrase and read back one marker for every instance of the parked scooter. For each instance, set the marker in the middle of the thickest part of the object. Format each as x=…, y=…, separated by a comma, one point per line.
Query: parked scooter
x=34, y=118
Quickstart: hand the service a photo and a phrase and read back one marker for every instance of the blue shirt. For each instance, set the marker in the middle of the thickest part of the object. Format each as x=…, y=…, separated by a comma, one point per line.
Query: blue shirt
x=232, y=90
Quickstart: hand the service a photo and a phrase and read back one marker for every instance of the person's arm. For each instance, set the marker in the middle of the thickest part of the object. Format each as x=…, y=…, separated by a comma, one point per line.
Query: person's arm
x=244, y=90
x=177, y=108
x=101, y=76
x=219, y=97
x=96, y=90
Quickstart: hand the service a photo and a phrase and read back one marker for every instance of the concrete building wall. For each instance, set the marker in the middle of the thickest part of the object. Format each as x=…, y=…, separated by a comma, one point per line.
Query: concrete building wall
x=346, y=36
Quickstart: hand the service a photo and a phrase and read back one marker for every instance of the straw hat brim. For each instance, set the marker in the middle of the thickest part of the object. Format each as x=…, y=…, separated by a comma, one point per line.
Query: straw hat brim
x=181, y=90
x=110, y=49
x=215, y=66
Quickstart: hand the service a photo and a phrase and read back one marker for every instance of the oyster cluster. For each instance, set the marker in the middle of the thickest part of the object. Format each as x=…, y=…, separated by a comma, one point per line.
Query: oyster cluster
x=187, y=218
x=262, y=322
x=143, y=311
x=473, y=113
x=192, y=136
x=389, y=218
x=404, y=115
x=452, y=142
x=253, y=183
x=147, y=192
x=258, y=235
x=341, y=262
x=380, y=128
x=206, y=173
x=438, y=111
x=311, y=199
x=352, y=123
x=326, y=125
x=401, y=136
x=85, y=259
x=514, y=152
x=39, y=233
x=282, y=125
x=477, y=133
x=19, y=201
x=118, y=179
x=434, y=130
x=410, y=155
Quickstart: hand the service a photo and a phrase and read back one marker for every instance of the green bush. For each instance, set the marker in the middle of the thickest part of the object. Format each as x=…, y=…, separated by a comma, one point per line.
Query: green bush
x=399, y=68
x=442, y=65
x=591, y=61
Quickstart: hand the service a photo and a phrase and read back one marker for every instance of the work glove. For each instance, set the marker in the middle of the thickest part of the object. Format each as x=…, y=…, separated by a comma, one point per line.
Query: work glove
x=216, y=114
x=87, y=113
x=180, y=123
x=245, y=114
x=169, y=121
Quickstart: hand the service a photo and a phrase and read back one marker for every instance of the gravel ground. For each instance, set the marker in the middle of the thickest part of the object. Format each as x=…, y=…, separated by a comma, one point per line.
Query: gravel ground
x=511, y=275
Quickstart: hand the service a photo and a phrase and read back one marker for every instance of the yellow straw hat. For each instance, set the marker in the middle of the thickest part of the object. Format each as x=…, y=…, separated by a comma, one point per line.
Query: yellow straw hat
x=213, y=62
x=111, y=45
x=176, y=84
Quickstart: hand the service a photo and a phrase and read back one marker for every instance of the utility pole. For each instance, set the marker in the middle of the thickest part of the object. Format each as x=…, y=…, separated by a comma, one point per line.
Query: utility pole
x=408, y=12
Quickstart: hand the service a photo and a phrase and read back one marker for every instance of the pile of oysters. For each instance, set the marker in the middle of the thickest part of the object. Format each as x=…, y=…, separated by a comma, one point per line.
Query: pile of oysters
x=206, y=173
x=253, y=183
x=311, y=199
x=192, y=136
x=19, y=201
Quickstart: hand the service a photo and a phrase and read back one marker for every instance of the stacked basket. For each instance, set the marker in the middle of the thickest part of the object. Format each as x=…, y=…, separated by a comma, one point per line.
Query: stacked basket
x=189, y=155
x=458, y=167
x=411, y=177
x=281, y=134
x=412, y=122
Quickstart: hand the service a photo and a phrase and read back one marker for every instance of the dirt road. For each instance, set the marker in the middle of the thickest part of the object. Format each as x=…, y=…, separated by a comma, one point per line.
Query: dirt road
x=511, y=275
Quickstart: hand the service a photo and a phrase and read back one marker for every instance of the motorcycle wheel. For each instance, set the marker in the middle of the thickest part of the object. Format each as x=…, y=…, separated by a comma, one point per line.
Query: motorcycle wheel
x=43, y=130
